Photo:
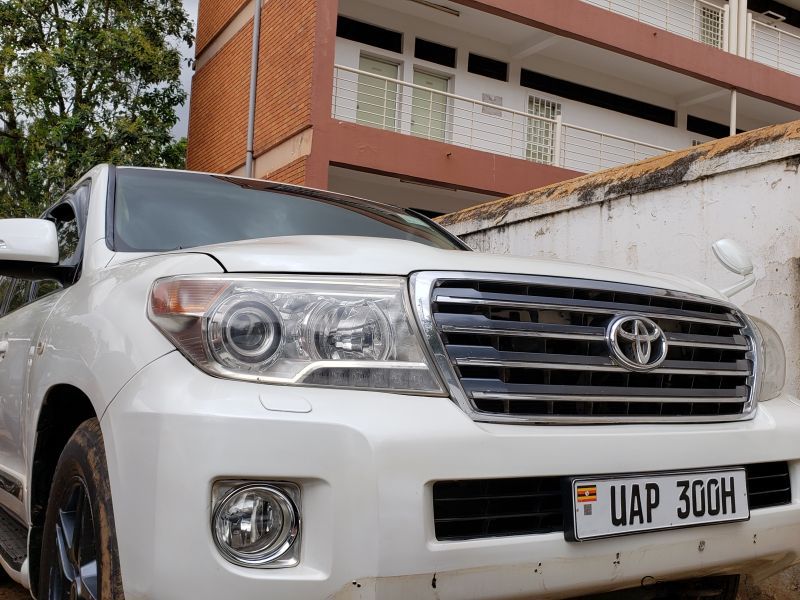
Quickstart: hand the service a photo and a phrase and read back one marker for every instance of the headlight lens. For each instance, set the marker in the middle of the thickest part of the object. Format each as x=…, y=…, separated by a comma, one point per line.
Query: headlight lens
x=773, y=361
x=329, y=331
x=245, y=329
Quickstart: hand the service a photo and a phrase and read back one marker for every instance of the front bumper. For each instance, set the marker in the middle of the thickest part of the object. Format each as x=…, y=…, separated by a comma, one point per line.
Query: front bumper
x=366, y=463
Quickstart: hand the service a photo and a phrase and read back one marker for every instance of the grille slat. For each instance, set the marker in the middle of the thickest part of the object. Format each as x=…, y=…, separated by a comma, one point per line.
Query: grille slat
x=534, y=349
x=477, y=298
x=487, y=356
x=482, y=325
x=478, y=387
x=588, y=398
x=481, y=508
x=768, y=484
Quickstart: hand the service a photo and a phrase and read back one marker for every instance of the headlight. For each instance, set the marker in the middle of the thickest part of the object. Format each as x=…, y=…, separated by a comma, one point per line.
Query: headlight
x=327, y=331
x=772, y=369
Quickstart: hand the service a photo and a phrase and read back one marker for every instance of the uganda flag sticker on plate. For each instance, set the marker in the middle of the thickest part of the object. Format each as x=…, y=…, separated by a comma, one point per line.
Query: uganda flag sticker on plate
x=586, y=493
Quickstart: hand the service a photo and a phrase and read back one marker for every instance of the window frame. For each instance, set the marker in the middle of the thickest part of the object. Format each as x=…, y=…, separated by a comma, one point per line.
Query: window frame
x=367, y=53
x=532, y=98
x=69, y=274
x=79, y=203
x=448, y=117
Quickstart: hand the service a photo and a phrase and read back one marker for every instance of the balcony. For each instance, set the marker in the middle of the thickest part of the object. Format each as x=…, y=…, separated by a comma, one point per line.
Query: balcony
x=771, y=44
x=767, y=39
x=701, y=21
x=538, y=136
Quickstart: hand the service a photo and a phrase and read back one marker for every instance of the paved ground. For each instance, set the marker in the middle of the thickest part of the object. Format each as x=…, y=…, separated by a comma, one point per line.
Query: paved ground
x=785, y=586
x=10, y=591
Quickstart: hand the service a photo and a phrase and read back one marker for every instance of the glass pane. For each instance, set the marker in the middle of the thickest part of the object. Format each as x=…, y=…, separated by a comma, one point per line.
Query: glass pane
x=167, y=210
x=67, y=231
x=541, y=134
x=19, y=295
x=377, y=98
x=45, y=288
x=5, y=286
x=711, y=26
x=429, y=109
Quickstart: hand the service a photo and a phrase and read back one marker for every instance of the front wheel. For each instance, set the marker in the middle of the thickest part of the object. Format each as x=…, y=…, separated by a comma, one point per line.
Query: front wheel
x=79, y=550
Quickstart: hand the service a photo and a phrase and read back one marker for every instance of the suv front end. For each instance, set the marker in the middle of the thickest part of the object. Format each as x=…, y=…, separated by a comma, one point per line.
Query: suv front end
x=328, y=436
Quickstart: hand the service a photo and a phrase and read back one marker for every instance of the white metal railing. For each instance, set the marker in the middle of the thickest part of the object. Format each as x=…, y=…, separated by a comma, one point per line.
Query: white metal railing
x=587, y=150
x=772, y=46
x=699, y=20
x=377, y=101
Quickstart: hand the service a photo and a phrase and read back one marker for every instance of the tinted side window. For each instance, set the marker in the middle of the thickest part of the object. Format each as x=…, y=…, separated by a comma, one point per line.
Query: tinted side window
x=44, y=288
x=69, y=235
x=19, y=295
x=5, y=286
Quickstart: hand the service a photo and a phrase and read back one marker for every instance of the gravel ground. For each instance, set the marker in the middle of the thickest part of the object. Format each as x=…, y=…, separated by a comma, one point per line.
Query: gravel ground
x=784, y=586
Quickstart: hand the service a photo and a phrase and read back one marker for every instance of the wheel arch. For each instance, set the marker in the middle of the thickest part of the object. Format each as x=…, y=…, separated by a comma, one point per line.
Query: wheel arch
x=63, y=410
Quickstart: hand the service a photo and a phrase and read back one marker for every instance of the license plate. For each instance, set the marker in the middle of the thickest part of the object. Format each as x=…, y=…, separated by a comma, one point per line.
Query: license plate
x=614, y=505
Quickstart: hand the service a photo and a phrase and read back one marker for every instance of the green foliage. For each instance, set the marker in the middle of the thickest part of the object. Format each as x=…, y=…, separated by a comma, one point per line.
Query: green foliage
x=84, y=82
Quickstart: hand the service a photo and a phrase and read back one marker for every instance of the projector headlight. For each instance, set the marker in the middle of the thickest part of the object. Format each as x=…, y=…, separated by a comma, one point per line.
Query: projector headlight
x=772, y=368
x=351, y=332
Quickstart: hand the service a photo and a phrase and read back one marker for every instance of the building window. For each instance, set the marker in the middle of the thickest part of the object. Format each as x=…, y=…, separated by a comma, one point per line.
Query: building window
x=429, y=108
x=708, y=128
x=540, y=144
x=372, y=35
x=376, y=103
x=574, y=91
x=488, y=67
x=710, y=22
x=435, y=53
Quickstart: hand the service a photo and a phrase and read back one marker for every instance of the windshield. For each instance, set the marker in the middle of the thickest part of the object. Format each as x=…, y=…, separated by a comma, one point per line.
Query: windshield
x=156, y=211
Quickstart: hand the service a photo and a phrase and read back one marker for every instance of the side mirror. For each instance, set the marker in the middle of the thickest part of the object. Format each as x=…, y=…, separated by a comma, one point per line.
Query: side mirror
x=28, y=241
x=736, y=259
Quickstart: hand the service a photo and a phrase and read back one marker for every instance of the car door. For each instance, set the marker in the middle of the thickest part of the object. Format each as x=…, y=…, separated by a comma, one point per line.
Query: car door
x=26, y=309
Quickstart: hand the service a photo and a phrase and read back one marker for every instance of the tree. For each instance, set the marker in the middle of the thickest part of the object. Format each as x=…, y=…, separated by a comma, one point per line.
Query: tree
x=84, y=82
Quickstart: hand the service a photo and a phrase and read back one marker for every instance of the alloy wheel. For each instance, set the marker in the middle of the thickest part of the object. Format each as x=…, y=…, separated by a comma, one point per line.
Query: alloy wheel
x=73, y=575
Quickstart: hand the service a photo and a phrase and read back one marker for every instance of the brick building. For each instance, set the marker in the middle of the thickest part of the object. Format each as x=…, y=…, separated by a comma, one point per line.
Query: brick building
x=441, y=104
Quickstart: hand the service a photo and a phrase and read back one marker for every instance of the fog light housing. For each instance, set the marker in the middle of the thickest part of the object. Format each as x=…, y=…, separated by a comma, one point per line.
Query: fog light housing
x=257, y=524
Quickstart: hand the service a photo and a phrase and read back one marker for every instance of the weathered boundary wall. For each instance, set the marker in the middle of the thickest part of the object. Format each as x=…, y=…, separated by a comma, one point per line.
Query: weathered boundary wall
x=664, y=213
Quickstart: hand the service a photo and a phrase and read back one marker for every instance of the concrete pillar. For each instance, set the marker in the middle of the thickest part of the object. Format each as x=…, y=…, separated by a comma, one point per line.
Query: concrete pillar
x=741, y=38
x=733, y=26
x=733, y=113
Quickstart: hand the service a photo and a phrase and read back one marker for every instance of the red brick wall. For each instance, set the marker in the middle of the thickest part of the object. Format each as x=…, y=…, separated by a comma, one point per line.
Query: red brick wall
x=294, y=172
x=212, y=17
x=218, y=112
x=285, y=68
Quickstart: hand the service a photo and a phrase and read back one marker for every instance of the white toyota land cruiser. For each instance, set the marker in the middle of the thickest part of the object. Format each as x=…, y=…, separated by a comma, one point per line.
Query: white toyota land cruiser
x=213, y=387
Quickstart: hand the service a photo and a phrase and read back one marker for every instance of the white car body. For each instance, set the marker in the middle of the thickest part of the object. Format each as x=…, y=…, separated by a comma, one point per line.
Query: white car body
x=365, y=461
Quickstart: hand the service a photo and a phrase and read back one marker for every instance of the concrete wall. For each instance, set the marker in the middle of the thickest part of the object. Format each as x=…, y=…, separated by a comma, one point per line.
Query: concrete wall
x=751, y=194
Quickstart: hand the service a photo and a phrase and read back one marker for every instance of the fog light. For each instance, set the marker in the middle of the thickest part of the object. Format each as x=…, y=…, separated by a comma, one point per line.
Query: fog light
x=256, y=524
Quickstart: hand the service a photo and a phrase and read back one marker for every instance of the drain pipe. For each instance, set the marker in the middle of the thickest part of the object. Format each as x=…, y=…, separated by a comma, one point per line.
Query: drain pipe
x=251, y=115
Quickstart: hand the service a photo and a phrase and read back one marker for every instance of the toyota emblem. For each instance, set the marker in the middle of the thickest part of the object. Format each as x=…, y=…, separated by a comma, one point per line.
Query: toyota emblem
x=636, y=343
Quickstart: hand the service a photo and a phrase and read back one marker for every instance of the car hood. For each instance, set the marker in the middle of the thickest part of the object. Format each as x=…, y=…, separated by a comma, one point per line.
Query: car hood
x=381, y=256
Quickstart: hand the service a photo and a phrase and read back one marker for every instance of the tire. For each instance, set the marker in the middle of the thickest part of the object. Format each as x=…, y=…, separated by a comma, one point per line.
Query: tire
x=73, y=564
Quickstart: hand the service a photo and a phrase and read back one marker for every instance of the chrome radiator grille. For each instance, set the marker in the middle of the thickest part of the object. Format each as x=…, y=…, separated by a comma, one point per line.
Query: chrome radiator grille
x=537, y=349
